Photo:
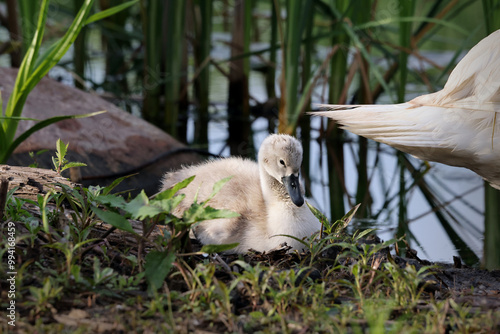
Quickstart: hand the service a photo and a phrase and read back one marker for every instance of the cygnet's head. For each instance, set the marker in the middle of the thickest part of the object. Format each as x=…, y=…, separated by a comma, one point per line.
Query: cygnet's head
x=281, y=157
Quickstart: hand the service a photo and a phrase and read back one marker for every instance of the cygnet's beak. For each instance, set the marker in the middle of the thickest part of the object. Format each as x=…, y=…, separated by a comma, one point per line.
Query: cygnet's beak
x=292, y=185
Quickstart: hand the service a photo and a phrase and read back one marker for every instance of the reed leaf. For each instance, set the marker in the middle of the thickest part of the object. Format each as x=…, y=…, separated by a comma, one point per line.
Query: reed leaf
x=336, y=84
x=298, y=16
x=19, y=94
x=79, y=53
x=491, y=258
x=411, y=19
x=176, y=13
x=359, y=15
x=110, y=11
x=28, y=18
x=151, y=13
x=406, y=9
x=273, y=43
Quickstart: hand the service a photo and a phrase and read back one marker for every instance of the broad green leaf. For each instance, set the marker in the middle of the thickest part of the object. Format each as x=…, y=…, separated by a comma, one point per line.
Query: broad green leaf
x=218, y=248
x=217, y=187
x=211, y=213
x=140, y=208
x=318, y=214
x=112, y=200
x=73, y=164
x=114, y=219
x=110, y=11
x=168, y=205
x=170, y=192
x=61, y=149
x=157, y=267
x=146, y=211
x=197, y=212
x=140, y=200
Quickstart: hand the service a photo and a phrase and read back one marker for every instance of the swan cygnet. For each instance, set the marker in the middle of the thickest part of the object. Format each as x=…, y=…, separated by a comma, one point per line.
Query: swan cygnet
x=458, y=125
x=267, y=195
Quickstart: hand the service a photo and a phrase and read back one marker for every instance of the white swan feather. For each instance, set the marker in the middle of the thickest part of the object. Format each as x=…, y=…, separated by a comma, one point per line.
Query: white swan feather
x=458, y=125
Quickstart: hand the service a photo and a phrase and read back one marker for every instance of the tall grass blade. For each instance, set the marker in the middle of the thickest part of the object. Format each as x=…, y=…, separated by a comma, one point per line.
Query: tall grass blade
x=152, y=12
x=491, y=258
x=359, y=15
x=491, y=251
x=406, y=9
x=110, y=11
x=337, y=77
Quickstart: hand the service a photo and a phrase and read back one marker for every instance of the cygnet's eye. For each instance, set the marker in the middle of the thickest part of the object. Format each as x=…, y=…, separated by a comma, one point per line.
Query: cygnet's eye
x=282, y=162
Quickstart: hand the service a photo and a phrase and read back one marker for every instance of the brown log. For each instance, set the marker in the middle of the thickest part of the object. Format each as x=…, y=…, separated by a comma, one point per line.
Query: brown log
x=31, y=182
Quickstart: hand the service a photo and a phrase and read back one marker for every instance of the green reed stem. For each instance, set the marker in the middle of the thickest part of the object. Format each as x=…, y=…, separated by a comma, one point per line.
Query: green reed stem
x=176, y=13
x=491, y=258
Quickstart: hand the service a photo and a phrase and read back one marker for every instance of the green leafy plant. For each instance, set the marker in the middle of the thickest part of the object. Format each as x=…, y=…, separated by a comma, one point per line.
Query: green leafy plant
x=44, y=296
x=69, y=249
x=408, y=283
x=158, y=211
x=60, y=162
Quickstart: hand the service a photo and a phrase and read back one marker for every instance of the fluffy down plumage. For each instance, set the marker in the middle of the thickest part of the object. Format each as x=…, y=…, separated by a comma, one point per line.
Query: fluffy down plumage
x=267, y=195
